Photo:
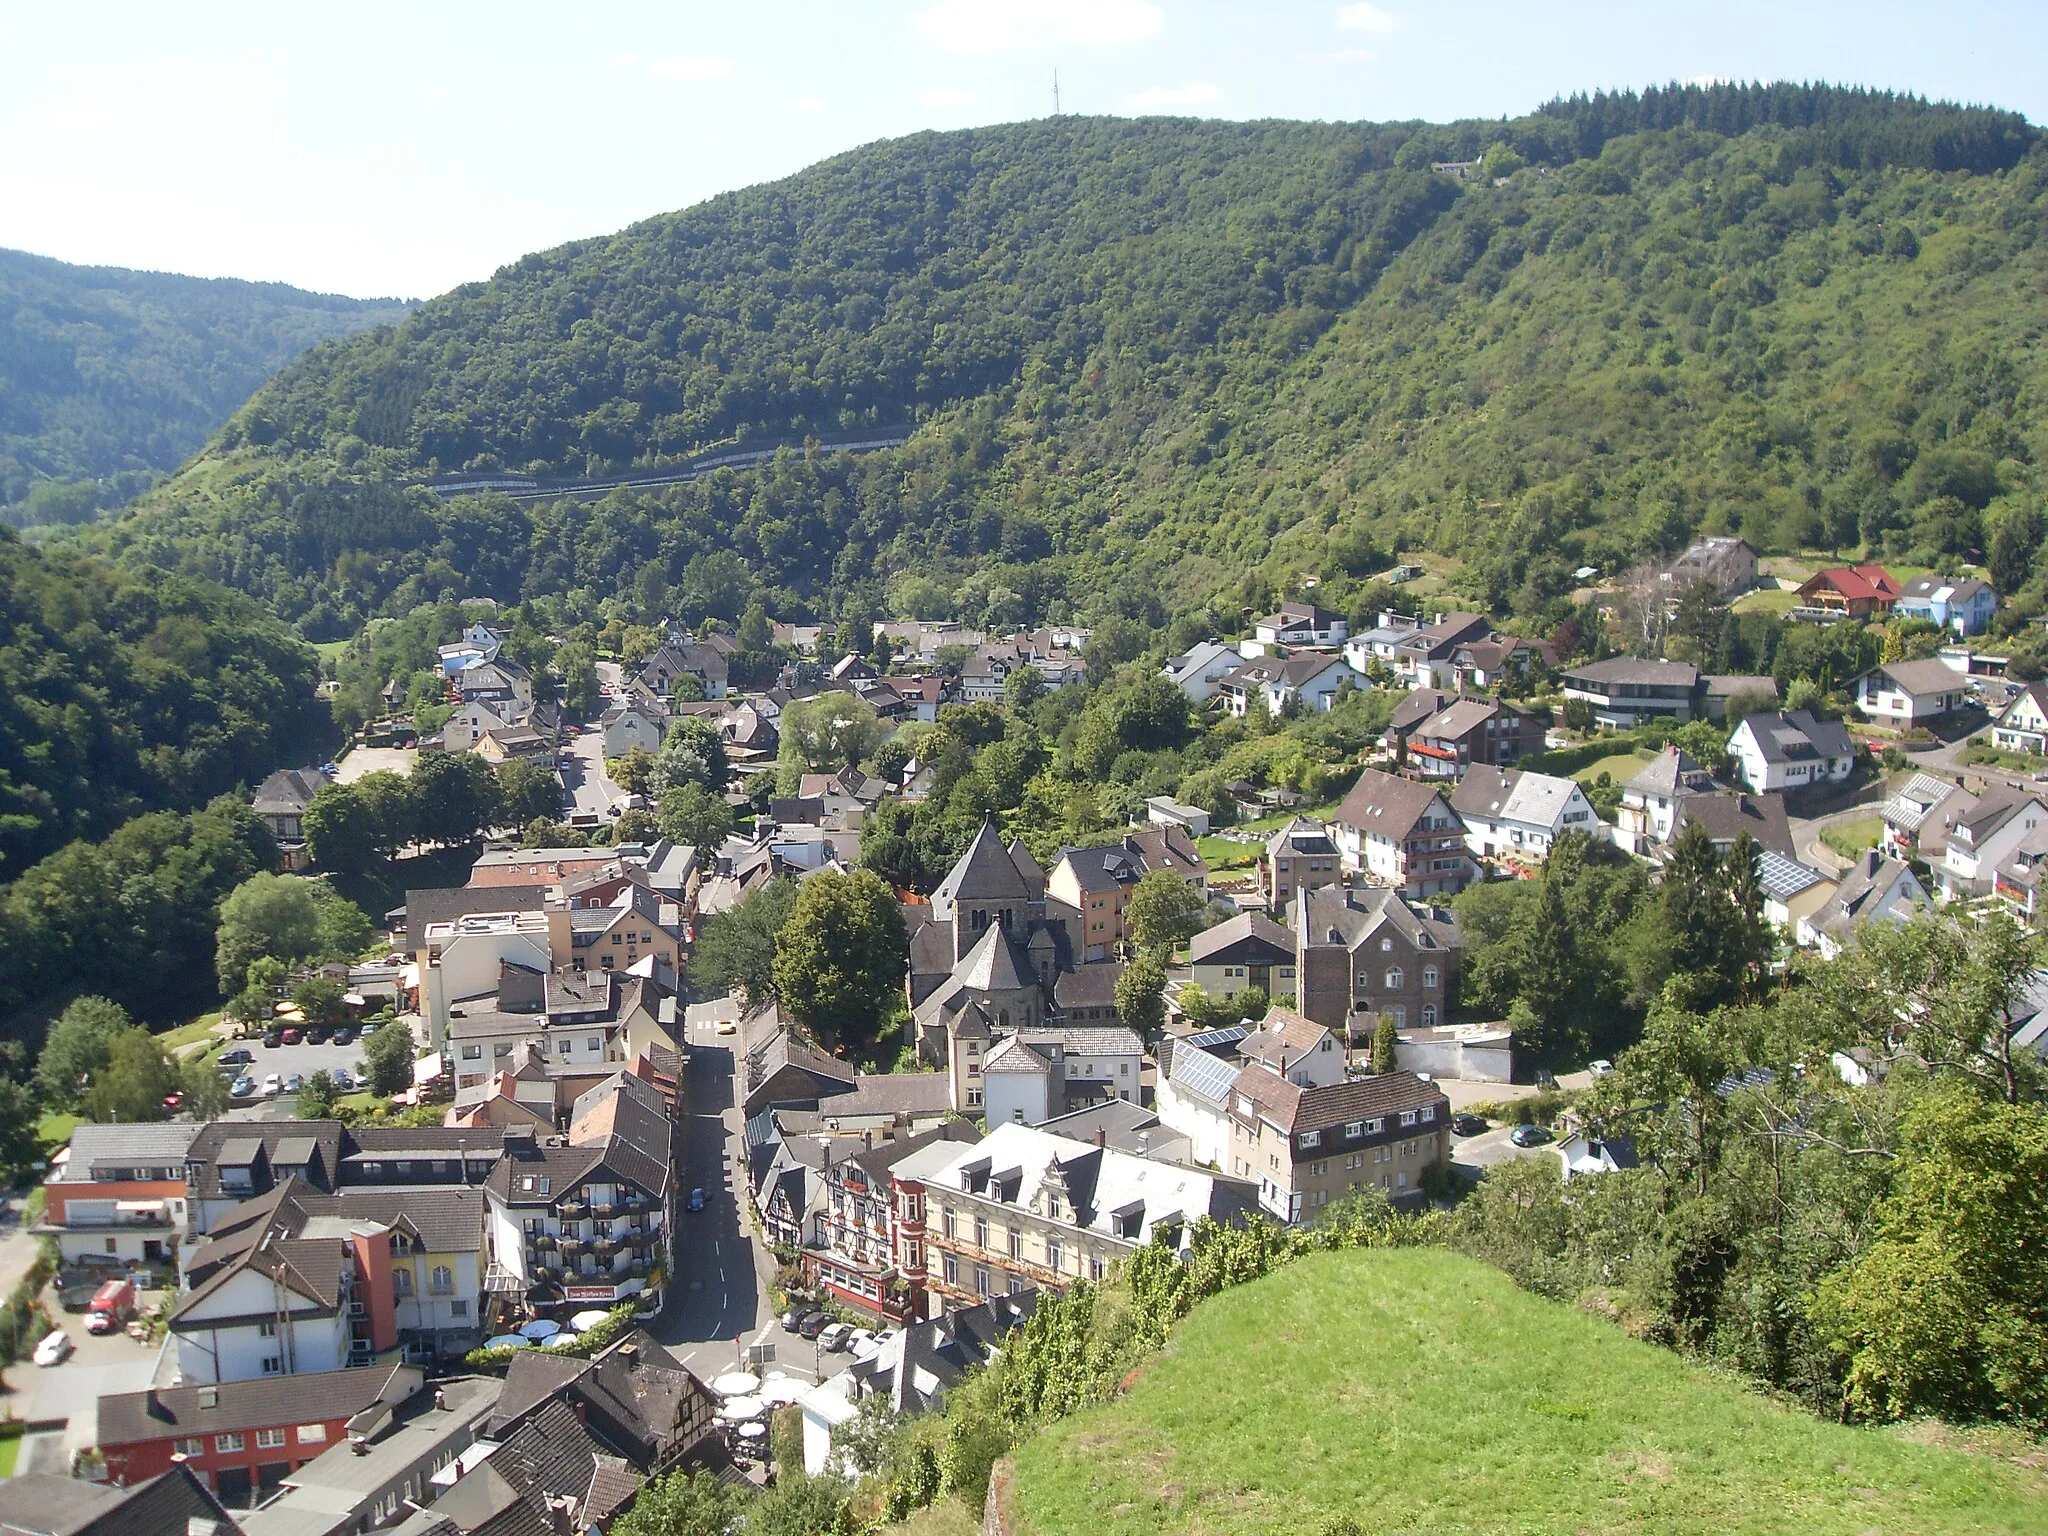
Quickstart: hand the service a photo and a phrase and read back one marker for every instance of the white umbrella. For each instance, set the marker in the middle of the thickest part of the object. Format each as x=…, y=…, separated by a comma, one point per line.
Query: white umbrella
x=783, y=1389
x=583, y=1322
x=736, y=1384
x=752, y=1431
x=561, y=1340
x=742, y=1408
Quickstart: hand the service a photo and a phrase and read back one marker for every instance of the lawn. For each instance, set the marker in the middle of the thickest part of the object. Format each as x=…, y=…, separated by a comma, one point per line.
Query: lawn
x=188, y=1034
x=1223, y=853
x=1850, y=838
x=1776, y=600
x=9, y=1449
x=54, y=1130
x=1418, y=1391
x=1981, y=754
x=1621, y=767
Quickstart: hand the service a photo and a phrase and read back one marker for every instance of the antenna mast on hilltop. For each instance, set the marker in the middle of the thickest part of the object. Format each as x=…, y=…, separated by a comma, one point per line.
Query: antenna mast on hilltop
x=1055, y=93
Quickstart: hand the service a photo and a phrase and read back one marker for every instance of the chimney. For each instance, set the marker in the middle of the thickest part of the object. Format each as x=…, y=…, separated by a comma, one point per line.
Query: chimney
x=1101, y=1139
x=440, y=1399
x=1871, y=859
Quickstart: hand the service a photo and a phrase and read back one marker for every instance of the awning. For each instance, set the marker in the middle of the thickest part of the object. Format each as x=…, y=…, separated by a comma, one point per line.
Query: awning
x=140, y=1207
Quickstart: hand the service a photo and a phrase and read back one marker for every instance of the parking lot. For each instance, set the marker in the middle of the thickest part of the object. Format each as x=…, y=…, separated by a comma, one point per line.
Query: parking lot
x=302, y=1058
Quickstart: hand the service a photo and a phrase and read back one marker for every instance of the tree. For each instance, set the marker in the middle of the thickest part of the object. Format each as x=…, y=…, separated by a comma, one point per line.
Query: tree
x=266, y=915
x=693, y=752
x=136, y=1080
x=316, y=1097
x=576, y=666
x=629, y=772
x=736, y=949
x=1942, y=1314
x=318, y=998
x=455, y=797
x=682, y=1504
x=388, y=1057
x=693, y=815
x=344, y=832
x=525, y=791
x=1163, y=912
x=823, y=734
x=1024, y=687
x=756, y=632
x=1140, y=995
x=77, y=1048
x=342, y=930
x=1386, y=1044
x=841, y=957
x=2013, y=544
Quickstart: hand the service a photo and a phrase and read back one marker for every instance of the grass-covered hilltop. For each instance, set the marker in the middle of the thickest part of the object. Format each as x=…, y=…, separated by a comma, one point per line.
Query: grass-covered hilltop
x=110, y=378
x=1156, y=365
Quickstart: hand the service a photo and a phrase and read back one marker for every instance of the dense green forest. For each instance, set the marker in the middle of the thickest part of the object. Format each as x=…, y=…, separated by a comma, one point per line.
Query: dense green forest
x=1159, y=364
x=127, y=692
x=110, y=378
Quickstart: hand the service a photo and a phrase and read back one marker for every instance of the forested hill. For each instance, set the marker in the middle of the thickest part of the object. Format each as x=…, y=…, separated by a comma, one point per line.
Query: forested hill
x=114, y=376
x=1162, y=363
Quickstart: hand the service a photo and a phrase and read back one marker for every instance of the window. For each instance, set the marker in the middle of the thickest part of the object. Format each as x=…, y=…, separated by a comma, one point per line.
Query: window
x=1054, y=1253
x=231, y=1442
x=1016, y=1285
x=1429, y=976
x=1016, y=1244
x=911, y=1258
x=1394, y=979
x=1372, y=1127
x=189, y=1447
x=948, y=1224
x=1095, y=1266
x=1429, y=1015
x=442, y=1282
x=458, y=1308
x=564, y=1045
x=266, y=1330
x=980, y=1232
x=1386, y=946
x=1311, y=1139
x=1354, y=1128
x=1427, y=1112
x=981, y=1280
x=1407, y=1117
x=472, y=1053
x=269, y=1439
x=401, y=1284
x=594, y=1043
x=952, y=1270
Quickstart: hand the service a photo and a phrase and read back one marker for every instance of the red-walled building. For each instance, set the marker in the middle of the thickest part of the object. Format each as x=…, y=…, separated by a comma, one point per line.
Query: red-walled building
x=866, y=1244
x=241, y=1436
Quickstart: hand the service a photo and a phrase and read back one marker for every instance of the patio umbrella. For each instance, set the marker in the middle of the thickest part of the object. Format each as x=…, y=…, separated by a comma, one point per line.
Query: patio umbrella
x=742, y=1408
x=506, y=1341
x=583, y=1322
x=783, y=1389
x=735, y=1384
x=752, y=1431
x=540, y=1328
x=561, y=1340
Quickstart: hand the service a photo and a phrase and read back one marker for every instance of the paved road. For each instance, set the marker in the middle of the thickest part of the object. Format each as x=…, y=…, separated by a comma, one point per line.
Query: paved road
x=585, y=786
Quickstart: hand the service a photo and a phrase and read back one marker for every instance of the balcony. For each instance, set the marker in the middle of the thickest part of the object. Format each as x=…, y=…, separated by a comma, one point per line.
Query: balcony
x=573, y=1210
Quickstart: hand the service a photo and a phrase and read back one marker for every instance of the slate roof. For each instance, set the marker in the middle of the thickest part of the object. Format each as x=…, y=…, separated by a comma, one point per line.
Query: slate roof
x=1727, y=815
x=1295, y=1109
x=1512, y=794
x=1417, y=707
x=1350, y=915
x=44, y=1504
x=288, y=791
x=126, y=1418
x=1015, y=1161
x=1384, y=804
x=984, y=872
x=1922, y=677
x=1300, y=837
x=1783, y=736
x=117, y=1148
x=1087, y=986
x=1283, y=1035
x=1665, y=775
x=1600, y=676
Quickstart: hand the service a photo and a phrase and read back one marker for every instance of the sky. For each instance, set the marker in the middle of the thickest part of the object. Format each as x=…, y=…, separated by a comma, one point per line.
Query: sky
x=383, y=149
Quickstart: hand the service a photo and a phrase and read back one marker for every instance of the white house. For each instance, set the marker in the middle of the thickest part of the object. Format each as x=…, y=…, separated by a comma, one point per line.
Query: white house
x=1165, y=811
x=1649, y=801
x=464, y=957
x=279, y=1309
x=1293, y=625
x=1982, y=837
x=1030, y=1077
x=1509, y=813
x=1402, y=832
x=2022, y=726
x=632, y=728
x=1777, y=750
x=1312, y=678
x=1382, y=642
x=1197, y=671
x=472, y=721
x=1875, y=887
x=1910, y=692
x=1194, y=1099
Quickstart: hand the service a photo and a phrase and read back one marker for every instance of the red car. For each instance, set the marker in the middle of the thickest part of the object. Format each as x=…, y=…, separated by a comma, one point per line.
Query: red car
x=290, y=1037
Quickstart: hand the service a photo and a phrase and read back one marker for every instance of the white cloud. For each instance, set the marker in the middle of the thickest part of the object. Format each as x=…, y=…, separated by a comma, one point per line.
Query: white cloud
x=1164, y=97
x=1366, y=17
x=949, y=98
x=1001, y=26
x=687, y=68
x=801, y=104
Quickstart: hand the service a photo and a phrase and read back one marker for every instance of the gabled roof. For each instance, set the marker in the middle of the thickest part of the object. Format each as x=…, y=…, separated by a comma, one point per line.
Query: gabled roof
x=45, y=1504
x=1855, y=582
x=1783, y=736
x=997, y=963
x=1462, y=718
x=1384, y=804
x=2038, y=692
x=1251, y=930
x=1670, y=771
x=1206, y=1077
x=1300, y=836
x=1782, y=878
x=1282, y=1036
x=1293, y=1109
x=114, y=1149
x=1617, y=670
x=985, y=872
x=1922, y=677
x=289, y=791
x=1727, y=815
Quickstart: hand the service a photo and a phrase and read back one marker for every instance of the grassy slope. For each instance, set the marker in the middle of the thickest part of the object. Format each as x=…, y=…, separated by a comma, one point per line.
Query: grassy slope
x=1419, y=1391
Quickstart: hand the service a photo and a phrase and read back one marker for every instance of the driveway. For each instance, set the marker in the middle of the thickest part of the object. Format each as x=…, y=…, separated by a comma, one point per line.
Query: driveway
x=363, y=761
x=1473, y=1155
x=586, y=788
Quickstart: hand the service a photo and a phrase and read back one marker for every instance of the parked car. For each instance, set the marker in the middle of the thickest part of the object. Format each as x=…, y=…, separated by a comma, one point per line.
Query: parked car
x=1467, y=1125
x=343, y=1082
x=343, y=1035
x=835, y=1337
x=814, y=1325
x=695, y=1202
x=1600, y=1066
x=293, y=1082
x=316, y=1035
x=112, y=1305
x=273, y=1038
x=55, y=1348
x=1529, y=1135
x=727, y=1027
x=234, y=1056
x=243, y=1087
x=272, y=1086
x=792, y=1319
x=290, y=1037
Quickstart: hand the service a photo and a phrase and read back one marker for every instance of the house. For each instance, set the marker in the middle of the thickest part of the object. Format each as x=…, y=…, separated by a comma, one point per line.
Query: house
x=173, y=1503
x=1097, y=882
x=1848, y=592
x=632, y=728
x=1194, y=1099
x=1165, y=811
x=856, y=1248
x=1963, y=604
x=499, y=681
x=241, y=1438
x=478, y=643
x=1907, y=693
x=660, y=673
x=1872, y=888
x=1480, y=664
x=1311, y=679
x=1917, y=817
x=1792, y=892
x=1511, y=814
x=1379, y=643
x=2022, y=726
x=1728, y=815
x=636, y=923
x=1983, y=836
x=1628, y=690
x=1402, y=833
x=280, y=804
x=1582, y=1153
x=1294, y=1047
x=1360, y=954
x=1294, y=625
x=1305, y=1147
x=1417, y=707
x=586, y=1220
x=1030, y=1209
x=1033, y=1075
x=2018, y=880
x=1198, y=670
x=1468, y=731
x=516, y=743
x=1087, y=993
x=1249, y=950
x=472, y=720
x=385, y=1465
x=1778, y=751
x=1301, y=856
x=1426, y=656
x=117, y=1197
x=1726, y=564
